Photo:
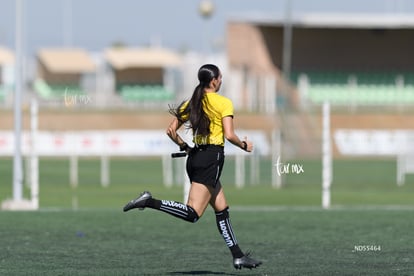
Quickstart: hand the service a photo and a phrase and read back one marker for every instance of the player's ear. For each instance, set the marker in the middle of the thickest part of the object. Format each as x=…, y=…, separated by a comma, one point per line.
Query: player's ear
x=214, y=83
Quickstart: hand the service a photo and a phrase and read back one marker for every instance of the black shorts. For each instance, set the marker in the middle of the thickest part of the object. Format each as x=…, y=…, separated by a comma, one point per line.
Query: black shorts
x=205, y=163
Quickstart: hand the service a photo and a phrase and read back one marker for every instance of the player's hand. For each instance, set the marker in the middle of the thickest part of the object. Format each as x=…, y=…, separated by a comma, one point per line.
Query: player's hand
x=188, y=150
x=249, y=144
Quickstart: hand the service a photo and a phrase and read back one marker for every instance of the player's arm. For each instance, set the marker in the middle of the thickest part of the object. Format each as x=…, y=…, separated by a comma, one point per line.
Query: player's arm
x=230, y=135
x=172, y=133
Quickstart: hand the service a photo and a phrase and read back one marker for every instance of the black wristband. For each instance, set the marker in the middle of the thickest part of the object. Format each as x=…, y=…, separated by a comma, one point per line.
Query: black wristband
x=183, y=146
x=244, y=145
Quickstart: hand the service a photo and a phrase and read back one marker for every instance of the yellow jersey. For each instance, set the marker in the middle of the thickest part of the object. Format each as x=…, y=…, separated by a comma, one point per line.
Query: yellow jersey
x=216, y=107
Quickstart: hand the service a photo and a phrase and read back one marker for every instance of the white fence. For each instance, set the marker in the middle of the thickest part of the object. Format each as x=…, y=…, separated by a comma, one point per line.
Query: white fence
x=392, y=143
x=111, y=143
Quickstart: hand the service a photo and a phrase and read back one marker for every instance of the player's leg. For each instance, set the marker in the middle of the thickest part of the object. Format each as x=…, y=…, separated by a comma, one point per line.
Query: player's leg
x=198, y=199
x=219, y=203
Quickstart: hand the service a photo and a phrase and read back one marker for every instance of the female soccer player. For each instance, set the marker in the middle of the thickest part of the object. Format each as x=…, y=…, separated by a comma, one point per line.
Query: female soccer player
x=210, y=116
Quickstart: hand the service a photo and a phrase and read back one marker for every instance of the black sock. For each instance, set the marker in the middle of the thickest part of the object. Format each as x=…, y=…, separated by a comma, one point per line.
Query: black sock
x=173, y=208
x=226, y=231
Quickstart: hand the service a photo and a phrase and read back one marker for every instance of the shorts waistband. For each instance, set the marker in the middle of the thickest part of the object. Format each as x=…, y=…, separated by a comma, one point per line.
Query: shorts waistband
x=209, y=146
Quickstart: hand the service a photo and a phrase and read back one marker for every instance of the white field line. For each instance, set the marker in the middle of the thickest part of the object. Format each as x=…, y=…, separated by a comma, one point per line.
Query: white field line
x=318, y=208
x=280, y=208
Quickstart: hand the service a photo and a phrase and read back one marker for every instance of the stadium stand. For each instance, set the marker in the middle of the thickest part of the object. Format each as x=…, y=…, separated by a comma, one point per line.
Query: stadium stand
x=60, y=72
x=47, y=91
x=359, y=62
x=349, y=59
x=362, y=88
x=145, y=93
x=140, y=74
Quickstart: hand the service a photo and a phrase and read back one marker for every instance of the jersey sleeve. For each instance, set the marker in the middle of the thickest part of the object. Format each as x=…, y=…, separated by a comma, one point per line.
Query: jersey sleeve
x=228, y=109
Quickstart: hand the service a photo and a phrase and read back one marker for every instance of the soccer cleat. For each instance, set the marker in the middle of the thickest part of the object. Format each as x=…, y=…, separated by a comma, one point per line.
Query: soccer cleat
x=139, y=202
x=245, y=262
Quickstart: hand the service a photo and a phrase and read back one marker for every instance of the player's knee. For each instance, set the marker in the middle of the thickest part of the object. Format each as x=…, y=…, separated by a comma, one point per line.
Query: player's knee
x=192, y=216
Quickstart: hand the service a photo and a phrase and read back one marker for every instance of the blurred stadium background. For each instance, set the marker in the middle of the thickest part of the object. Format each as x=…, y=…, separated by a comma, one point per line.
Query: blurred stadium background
x=327, y=97
x=279, y=70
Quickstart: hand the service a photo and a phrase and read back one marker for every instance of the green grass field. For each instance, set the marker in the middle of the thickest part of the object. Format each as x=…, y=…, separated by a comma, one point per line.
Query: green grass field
x=356, y=182
x=83, y=231
x=289, y=242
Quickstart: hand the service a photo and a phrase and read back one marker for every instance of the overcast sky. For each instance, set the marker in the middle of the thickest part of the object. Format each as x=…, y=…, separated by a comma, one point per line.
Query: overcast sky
x=96, y=24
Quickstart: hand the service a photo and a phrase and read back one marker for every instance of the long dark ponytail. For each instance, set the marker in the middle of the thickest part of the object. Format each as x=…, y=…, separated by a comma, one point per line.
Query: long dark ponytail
x=194, y=111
